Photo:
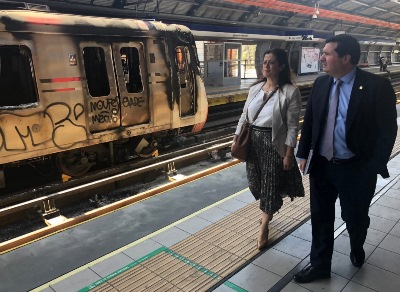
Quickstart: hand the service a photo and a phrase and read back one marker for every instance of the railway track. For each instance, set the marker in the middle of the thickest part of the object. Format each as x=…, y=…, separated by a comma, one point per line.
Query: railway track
x=94, y=186
x=44, y=190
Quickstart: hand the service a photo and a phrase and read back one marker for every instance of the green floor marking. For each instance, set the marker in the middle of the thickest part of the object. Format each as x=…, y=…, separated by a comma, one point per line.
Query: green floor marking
x=193, y=264
x=234, y=287
x=123, y=269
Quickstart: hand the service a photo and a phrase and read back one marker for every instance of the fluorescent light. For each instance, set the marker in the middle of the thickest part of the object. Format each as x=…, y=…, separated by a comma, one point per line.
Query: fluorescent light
x=358, y=2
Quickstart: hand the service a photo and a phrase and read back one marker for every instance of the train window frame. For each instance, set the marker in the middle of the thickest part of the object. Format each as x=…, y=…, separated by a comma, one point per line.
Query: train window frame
x=96, y=89
x=17, y=77
x=132, y=70
x=186, y=81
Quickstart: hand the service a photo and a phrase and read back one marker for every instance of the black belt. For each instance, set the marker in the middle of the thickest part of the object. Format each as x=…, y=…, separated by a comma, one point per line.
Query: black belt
x=344, y=161
x=262, y=129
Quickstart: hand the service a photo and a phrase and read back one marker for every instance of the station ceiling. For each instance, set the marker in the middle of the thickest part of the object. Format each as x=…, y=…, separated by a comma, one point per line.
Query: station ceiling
x=370, y=19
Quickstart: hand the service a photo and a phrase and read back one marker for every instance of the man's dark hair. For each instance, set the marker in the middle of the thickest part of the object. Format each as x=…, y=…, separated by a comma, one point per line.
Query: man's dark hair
x=347, y=44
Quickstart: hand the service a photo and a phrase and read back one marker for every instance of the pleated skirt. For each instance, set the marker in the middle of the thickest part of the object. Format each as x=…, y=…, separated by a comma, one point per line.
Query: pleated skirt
x=267, y=180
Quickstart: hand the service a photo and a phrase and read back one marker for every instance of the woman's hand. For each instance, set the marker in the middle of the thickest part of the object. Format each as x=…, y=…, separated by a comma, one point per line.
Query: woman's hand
x=288, y=162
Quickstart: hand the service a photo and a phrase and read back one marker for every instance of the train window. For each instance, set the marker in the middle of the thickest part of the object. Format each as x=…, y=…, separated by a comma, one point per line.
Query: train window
x=131, y=66
x=182, y=55
x=96, y=71
x=17, y=82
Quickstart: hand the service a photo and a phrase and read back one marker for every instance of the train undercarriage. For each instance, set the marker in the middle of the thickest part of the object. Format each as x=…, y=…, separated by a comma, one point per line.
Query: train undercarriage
x=77, y=162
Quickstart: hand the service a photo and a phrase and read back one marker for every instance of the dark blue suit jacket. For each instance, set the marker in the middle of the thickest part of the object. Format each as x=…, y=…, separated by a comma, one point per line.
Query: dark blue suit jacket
x=371, y=125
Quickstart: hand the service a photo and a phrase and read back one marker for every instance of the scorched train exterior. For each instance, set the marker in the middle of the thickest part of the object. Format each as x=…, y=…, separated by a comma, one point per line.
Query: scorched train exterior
x=86, y=90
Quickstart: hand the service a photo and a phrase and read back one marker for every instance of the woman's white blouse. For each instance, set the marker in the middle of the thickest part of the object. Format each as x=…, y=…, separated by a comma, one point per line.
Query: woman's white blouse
x=264, y=119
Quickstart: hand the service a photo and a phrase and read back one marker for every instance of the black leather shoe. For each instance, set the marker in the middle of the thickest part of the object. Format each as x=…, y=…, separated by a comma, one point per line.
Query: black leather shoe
x=310, y=274
x=357, y=258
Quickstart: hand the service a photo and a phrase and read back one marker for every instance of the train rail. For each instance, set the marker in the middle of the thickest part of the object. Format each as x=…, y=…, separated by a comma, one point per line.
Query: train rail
x=56, y=221
x=40, y=191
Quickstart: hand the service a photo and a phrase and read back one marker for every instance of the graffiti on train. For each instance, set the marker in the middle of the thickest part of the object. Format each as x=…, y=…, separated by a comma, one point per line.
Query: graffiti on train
x=57, y=124
x=132, y=101
x=107, y=110
x=104, y=110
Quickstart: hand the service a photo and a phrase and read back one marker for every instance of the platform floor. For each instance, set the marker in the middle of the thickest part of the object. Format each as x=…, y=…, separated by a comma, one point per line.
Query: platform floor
x=214, y=248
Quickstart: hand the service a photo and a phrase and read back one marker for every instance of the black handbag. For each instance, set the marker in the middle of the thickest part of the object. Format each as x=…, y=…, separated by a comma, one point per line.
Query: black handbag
x=240, y=149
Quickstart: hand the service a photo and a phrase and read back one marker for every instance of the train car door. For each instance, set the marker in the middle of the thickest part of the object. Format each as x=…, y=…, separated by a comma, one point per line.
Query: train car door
x=132, y=84
x=102, y=98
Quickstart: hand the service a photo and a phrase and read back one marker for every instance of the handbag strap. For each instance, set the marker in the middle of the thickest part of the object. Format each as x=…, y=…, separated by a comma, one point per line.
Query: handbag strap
x=264, y=102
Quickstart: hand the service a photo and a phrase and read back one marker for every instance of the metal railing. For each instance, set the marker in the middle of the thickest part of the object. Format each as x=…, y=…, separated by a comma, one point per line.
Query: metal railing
x=248, y=69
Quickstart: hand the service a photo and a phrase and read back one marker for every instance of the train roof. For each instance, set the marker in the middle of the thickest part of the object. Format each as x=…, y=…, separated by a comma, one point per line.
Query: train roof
x=49, y=22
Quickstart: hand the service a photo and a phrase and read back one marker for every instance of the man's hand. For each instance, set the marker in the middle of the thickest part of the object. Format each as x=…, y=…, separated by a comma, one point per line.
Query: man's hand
x=302, y=165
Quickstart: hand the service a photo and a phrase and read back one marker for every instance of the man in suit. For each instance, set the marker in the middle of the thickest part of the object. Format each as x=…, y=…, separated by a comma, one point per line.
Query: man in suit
x=381, y=63
x=348, y=144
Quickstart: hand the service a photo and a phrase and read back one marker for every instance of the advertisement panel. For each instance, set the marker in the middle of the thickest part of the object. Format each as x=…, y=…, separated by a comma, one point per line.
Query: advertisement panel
x=309, y=61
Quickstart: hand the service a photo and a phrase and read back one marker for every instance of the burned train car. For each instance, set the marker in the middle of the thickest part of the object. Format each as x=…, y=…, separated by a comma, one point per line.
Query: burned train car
x=84, y=90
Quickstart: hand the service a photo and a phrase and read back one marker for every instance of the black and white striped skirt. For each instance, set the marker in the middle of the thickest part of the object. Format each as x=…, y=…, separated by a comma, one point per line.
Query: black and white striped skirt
x=266, y=177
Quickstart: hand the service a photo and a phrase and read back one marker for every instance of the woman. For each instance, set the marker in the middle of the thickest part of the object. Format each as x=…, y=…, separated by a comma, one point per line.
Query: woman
x=271, y=171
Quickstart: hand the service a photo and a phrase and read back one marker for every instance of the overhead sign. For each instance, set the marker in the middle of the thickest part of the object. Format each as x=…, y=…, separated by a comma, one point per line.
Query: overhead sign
x=306, y=35
x=299, y=38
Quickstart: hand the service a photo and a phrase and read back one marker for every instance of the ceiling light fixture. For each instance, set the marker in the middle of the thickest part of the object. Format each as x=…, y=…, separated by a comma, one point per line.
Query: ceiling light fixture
x=316, y=11
x=316, y=8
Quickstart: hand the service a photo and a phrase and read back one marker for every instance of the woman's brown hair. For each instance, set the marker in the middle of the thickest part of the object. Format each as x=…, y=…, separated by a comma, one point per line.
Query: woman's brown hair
x=285, y=76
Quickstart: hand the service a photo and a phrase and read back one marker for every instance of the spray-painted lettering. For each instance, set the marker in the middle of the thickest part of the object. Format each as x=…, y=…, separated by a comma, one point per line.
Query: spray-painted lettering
x=104, y=117
x=132, y=101
x=104, y=111
x=107, y=104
